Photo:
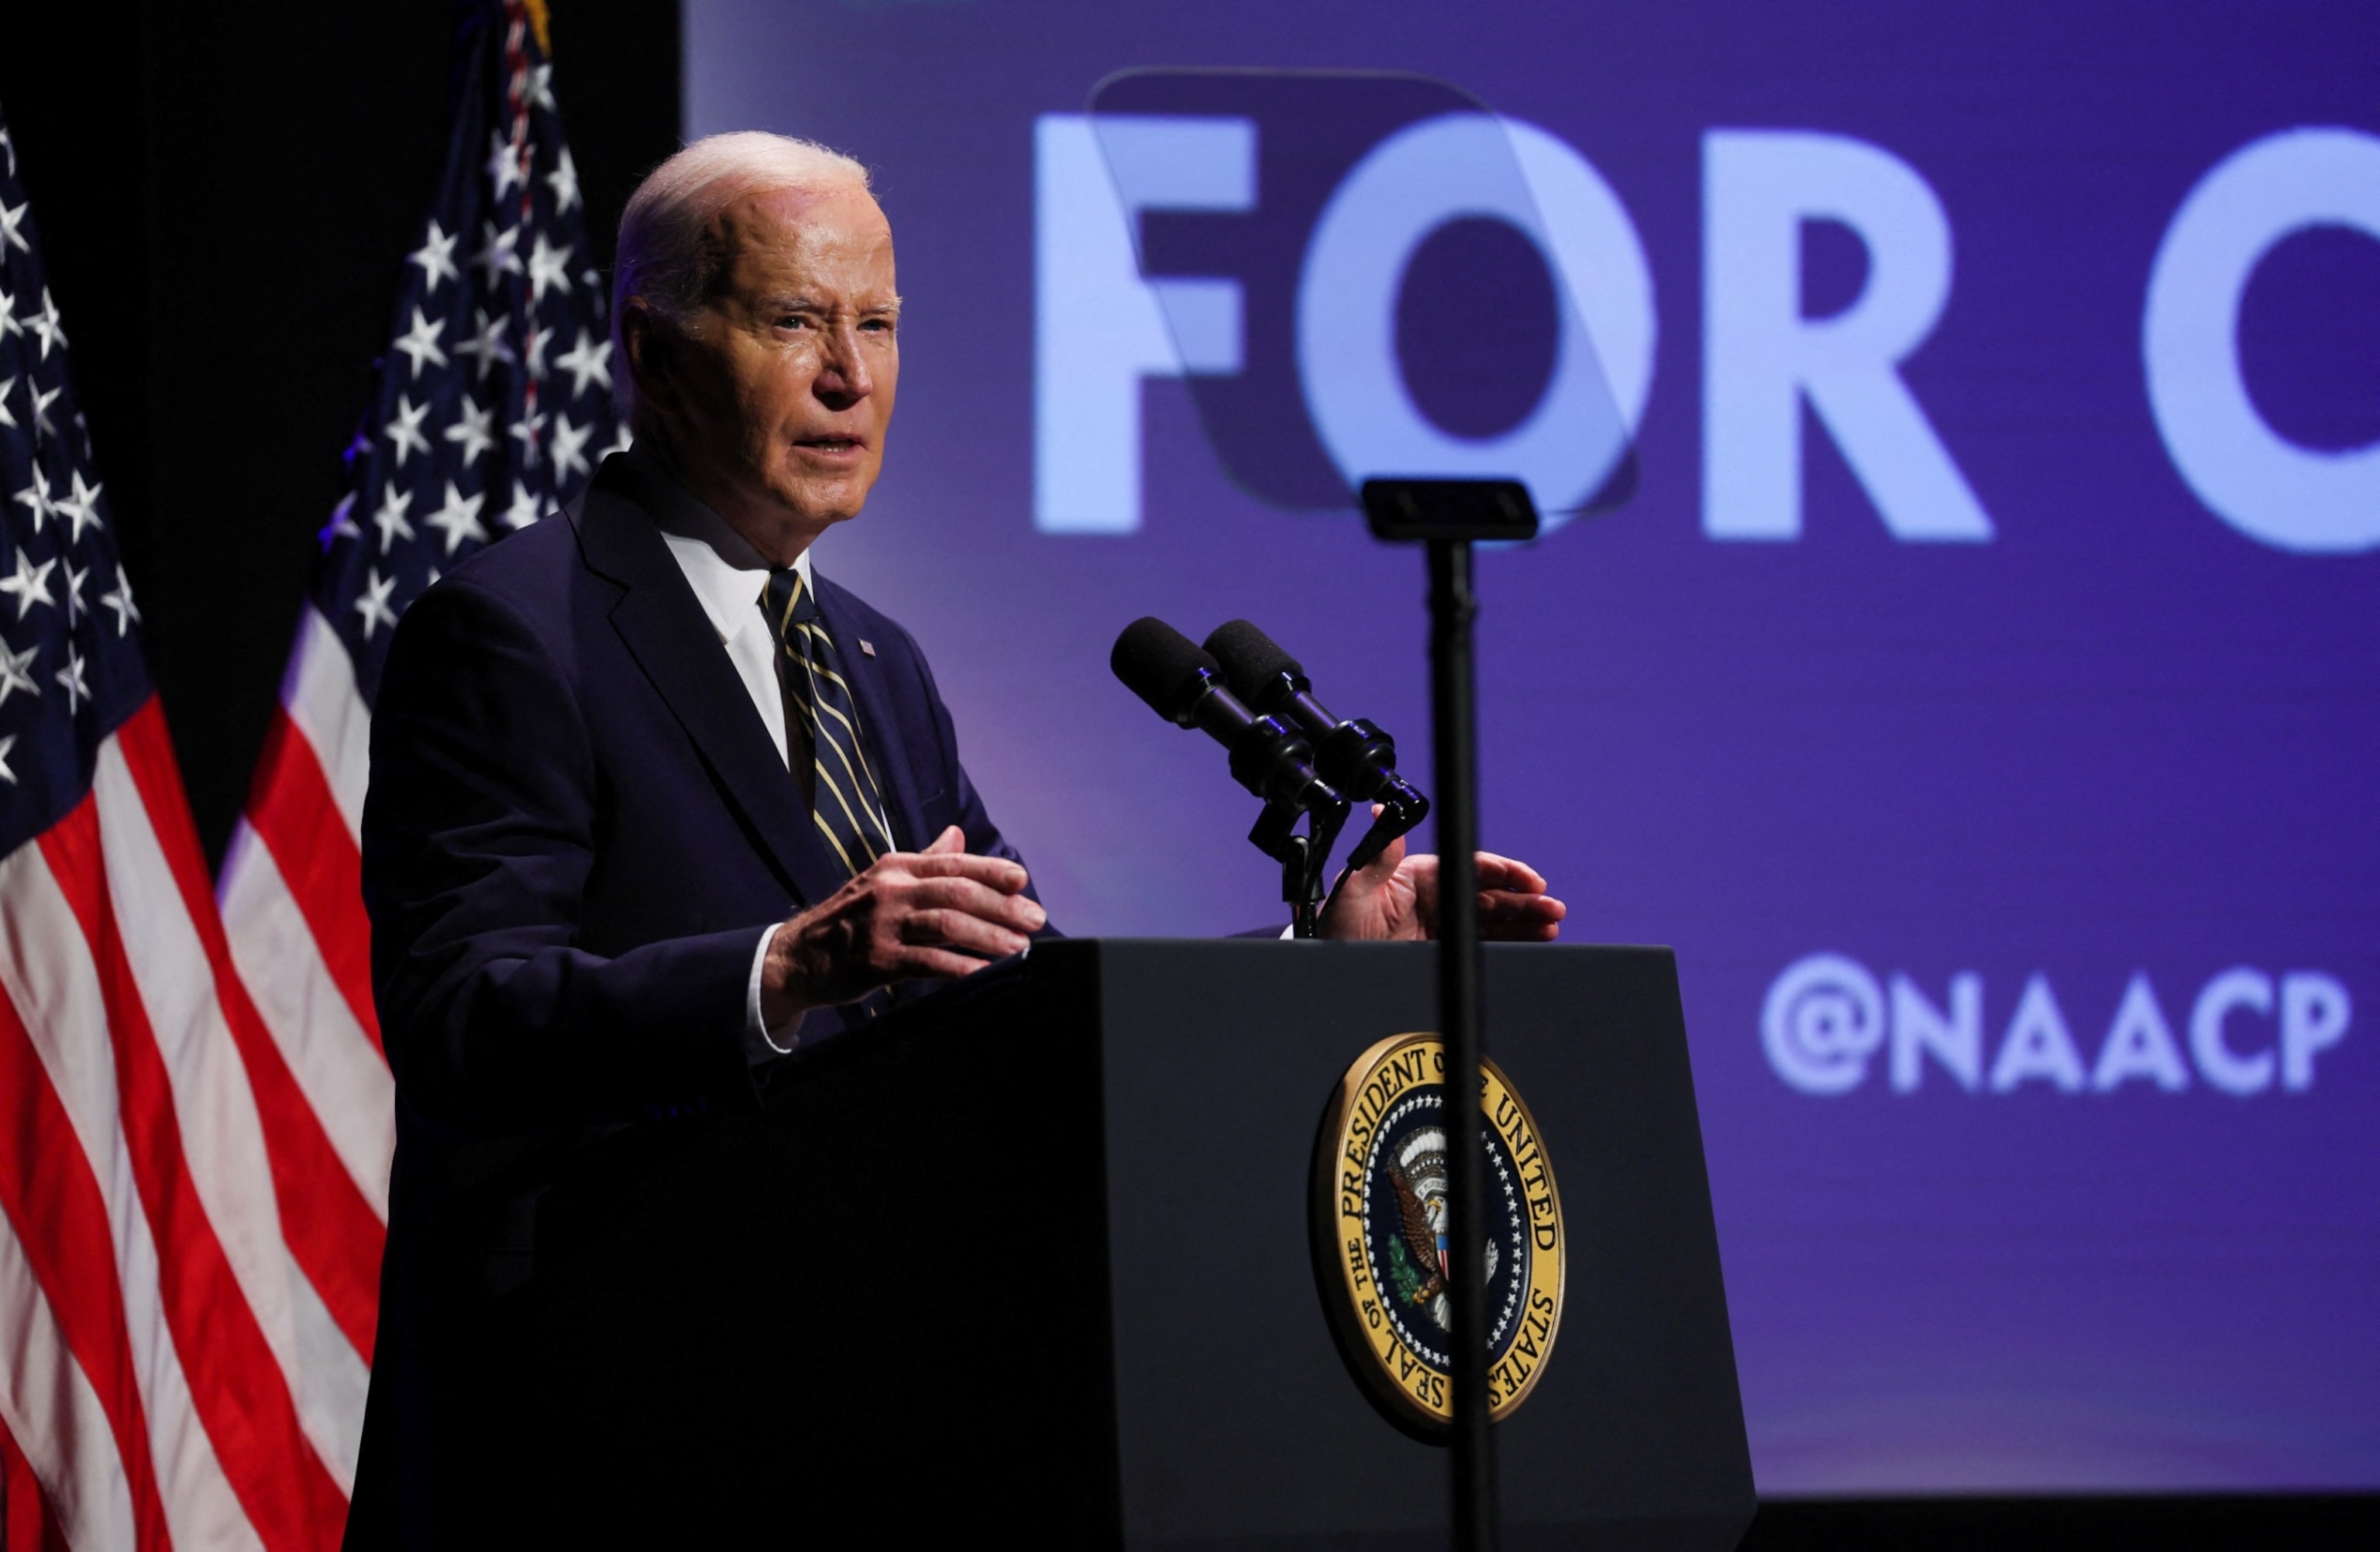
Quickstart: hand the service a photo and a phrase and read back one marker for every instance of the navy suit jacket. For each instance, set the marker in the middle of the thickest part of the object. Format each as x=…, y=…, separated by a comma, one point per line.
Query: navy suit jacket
x=577, y=831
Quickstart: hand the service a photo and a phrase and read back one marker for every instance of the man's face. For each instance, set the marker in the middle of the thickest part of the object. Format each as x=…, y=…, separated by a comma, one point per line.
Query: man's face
x=775, y=409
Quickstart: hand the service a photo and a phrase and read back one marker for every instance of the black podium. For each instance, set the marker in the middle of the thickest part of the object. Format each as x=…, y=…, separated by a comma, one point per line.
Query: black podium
x=1030, y=1259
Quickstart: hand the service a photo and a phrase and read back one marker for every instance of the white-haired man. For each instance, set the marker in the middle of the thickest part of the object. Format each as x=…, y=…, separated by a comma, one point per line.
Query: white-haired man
x=654, y=805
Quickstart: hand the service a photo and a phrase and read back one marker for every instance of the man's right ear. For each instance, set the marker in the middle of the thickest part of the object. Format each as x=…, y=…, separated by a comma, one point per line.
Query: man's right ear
x=647, y=365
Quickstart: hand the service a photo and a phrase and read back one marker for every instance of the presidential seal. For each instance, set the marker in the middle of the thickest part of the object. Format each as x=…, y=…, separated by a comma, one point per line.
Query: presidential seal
x=1378, y=1214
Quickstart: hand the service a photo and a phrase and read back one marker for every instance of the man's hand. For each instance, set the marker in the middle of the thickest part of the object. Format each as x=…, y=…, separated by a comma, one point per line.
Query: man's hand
x=900, y=918
x=1395, y=897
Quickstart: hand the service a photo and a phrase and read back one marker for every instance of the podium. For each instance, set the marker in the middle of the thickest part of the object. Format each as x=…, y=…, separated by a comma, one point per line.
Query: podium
x=1029, y=1258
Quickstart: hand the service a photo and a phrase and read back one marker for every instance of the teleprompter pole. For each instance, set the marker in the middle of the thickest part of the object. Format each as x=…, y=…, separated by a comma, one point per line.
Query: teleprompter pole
x=1453, y=709
x=1446, y=516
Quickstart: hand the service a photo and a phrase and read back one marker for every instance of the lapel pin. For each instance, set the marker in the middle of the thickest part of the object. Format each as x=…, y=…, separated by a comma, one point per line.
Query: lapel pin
x=868, y=647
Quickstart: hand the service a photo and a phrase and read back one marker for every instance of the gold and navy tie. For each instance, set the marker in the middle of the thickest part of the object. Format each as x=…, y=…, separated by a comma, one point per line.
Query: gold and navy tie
x=846, y=800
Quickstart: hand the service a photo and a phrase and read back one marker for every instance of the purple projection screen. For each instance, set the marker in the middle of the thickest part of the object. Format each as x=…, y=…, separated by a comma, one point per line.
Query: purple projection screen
x=1977, y=675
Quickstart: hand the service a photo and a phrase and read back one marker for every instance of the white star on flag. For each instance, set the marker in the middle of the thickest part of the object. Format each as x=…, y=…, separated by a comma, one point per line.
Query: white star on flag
x=7, y=742
x=505, y=161
x=486, y=345
x=533, y=347
x=82, y=508
x=29, y=586
x=419, y=343
x=405, y=432
x=42, y=425
x=395, y=503
x=75, y=579
x=436, y=257
x=13, y=677
x=36, y=496
x=458, y=519
x=343, y=522
x=373, y=602
x=8, y=392
x=589, y=359
x=523, y=510
x=70, y=679
x=527, y=430
x=119, y=599
x=564, y=181
x=9, y=235
x=570, y=447
x=548, y=265
x=474, y=428
x=496, y=256
x=46, y=323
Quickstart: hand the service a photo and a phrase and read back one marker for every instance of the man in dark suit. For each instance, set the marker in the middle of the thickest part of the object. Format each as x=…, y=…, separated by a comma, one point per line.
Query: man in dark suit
x=653, y=806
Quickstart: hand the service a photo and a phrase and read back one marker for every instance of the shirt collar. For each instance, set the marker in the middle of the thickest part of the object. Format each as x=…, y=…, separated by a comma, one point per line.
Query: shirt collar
x=720, y=565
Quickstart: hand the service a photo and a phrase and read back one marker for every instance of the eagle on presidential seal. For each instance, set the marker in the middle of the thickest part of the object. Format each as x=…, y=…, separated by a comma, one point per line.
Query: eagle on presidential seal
x=1418, y=1263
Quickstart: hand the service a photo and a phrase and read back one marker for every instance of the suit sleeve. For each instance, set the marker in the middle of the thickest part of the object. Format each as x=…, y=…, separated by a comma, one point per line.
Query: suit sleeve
x=478, y=836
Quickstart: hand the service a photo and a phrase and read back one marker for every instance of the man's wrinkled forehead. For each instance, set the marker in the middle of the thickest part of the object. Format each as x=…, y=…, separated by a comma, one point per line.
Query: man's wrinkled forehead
x=795, y=223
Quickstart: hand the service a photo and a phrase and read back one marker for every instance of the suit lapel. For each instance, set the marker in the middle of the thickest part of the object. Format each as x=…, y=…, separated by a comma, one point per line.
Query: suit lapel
x=666, y=631
x=866, y=673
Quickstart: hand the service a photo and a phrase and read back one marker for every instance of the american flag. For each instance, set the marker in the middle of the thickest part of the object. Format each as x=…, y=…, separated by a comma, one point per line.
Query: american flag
x=492, y=406
x=196, y=1115
x=154, y=1333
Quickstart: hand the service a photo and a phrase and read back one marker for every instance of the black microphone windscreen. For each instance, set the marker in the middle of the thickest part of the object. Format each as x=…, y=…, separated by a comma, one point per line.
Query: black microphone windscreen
x=1252, y=660
x=1159, y=664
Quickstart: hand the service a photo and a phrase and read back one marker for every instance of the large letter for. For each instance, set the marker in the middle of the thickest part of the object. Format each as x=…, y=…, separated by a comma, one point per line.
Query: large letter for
x=1098, y=328
x=2288, y=496
x=1761, y=356
x=1414, y=182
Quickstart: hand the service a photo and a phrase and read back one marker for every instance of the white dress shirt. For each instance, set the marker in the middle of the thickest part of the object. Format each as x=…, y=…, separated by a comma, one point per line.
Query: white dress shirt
x=727, y=576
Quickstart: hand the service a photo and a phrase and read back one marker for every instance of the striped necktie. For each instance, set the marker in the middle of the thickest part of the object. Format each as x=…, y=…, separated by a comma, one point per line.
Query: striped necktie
x=846, y=803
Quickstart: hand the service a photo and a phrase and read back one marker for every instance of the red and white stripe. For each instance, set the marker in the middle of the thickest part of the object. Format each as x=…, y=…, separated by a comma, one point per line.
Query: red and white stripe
x=171, y=1372
x=291, y=897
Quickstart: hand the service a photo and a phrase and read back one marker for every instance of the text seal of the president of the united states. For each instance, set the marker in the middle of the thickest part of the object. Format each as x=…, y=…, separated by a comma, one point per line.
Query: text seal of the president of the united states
x=1378, y=1218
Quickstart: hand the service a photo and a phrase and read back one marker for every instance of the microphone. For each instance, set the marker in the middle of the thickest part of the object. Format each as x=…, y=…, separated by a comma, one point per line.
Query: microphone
x=1186, y=686
x=1355, y=757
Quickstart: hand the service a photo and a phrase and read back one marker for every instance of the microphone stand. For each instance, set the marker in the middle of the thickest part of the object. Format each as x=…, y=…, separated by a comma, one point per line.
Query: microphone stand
x=1447, y=515
x=1302, y=858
